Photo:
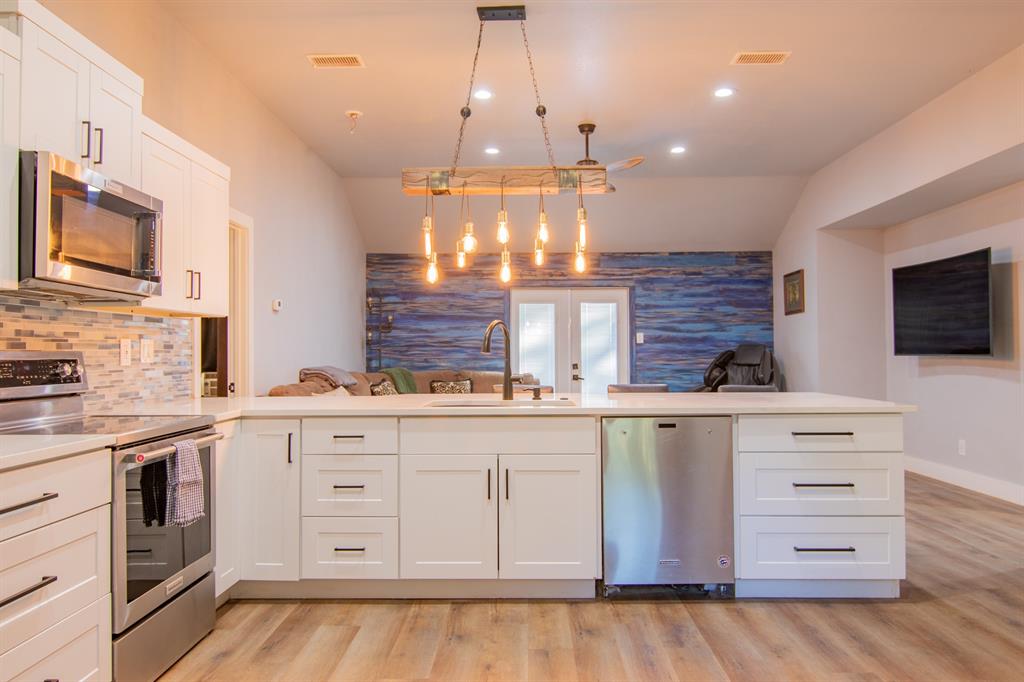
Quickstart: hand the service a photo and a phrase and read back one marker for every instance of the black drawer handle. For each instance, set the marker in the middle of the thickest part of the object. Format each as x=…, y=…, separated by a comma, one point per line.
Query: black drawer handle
x=349, y=549
x=45, y=497
x=824, y=549
x=349, y=487
x=43, y=582
x=822, y=485
x=349, y=437
x=140, y=551
x=666, y=425
x=797, y=434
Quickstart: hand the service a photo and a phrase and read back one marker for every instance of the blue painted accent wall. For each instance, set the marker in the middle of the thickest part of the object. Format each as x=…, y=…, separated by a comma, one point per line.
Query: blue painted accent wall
x=690, y=307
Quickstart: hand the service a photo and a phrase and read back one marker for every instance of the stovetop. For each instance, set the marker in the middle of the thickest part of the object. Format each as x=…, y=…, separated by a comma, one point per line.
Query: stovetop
x=128, y=429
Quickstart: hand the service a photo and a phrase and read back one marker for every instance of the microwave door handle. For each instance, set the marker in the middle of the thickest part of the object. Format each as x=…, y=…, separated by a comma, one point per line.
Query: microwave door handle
x=87, y=128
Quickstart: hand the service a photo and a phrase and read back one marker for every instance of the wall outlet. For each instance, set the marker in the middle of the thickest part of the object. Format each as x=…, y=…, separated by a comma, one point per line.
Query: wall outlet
x=126, y=352
x=276, y=305
x=639, y=338
x=961, y=447
x=147, y=351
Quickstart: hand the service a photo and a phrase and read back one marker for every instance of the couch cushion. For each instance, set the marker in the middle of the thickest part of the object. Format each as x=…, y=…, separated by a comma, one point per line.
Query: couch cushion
x=363, y=381
x=383, y=387
x=450, y=387
x=423, y=379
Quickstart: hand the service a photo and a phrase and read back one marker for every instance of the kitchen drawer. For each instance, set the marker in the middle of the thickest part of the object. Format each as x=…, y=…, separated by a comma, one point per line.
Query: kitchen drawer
x=821, y=433
x=350, y=436
x=77, y=648
x=70, y=558
x=349, y=548
x=822, y=547
x=498, y=435
x=57, y=489
x=350, y=485
x=154, y=552
x=821, y=483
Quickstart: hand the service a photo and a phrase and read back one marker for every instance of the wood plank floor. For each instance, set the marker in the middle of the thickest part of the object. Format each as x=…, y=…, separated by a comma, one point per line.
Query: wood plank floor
x=961, y=617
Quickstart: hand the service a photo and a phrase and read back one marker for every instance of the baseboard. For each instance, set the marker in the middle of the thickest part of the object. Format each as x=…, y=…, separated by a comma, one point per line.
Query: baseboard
x=817, y=589
x=415, y=589
x=979, y=483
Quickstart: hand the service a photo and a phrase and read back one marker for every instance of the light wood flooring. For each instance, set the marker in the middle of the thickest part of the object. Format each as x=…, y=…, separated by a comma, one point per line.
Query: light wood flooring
x=961, y=617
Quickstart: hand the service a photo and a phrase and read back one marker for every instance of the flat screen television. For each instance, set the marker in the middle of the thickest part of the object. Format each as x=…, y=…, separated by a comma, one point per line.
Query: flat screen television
x=944, y=307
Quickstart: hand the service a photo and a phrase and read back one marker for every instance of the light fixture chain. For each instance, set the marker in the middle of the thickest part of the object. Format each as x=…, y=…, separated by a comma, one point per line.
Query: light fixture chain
x=465, y=109
x=541, y=109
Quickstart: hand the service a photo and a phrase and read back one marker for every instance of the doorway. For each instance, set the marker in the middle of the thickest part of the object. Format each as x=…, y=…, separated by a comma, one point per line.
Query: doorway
x=576, y=340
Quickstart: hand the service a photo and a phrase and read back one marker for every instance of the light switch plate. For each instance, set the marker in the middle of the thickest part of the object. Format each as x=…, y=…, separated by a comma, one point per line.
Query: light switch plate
x=126, y=352
x=146, y=351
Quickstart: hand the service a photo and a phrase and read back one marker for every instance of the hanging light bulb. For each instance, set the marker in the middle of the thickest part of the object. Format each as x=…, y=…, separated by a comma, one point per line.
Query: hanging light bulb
x=432, y=272
x=579, y=262
x=505, y=274
x=503, y=233
x=538, y=252
x=469, y=241
x=542, y=220
x=460, y=255
x=428, y=220
x=581, y=217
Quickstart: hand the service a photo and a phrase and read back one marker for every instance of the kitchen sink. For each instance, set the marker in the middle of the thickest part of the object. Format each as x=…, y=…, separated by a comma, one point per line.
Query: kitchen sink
x=524, y=402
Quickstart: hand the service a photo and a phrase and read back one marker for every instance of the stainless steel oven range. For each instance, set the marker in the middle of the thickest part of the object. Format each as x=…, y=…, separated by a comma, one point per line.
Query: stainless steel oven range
x=161, y=575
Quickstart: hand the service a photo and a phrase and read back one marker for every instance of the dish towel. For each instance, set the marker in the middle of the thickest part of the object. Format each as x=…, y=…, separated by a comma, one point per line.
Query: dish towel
x=185, y=504
x=153, y=488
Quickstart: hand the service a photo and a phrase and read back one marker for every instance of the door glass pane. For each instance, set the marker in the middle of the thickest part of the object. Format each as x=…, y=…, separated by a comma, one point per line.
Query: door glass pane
x=536, y=335
x=598, y=347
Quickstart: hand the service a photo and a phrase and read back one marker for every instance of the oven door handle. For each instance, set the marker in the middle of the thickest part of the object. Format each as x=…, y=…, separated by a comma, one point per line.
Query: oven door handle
x=163, y=453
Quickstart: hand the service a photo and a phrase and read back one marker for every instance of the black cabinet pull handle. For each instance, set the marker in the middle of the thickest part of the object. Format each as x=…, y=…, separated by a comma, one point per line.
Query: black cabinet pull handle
x=666, y=425
x=45, y=497
x=822, y=485
x=199, y=285
x=289, y=447
x=140, y=551
x=43, y=582
x=349, y=487
x=191, y=284
x=360, y=437
x=87, y=125
x=824, y=549
x=506, y=483
x=349, y=549
x=99, y=161
x=797, y=434
x=488, y=483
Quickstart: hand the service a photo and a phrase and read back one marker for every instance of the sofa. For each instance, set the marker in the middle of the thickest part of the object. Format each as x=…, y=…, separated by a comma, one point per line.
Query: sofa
x=340, y=382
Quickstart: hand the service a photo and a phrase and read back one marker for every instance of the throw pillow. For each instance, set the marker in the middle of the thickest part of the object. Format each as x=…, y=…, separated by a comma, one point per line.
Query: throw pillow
x=383, y=387
x=450, y=387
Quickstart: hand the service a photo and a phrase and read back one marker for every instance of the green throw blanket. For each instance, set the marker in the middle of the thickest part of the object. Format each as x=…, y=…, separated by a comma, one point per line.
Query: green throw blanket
x=402, y=378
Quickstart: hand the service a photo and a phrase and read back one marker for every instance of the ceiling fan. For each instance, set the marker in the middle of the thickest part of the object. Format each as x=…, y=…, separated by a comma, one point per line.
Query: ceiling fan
x=586, y=129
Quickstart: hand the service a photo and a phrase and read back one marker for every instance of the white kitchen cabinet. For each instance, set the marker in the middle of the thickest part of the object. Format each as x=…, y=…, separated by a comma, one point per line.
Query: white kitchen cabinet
x=448, y=509
x=271, y=482
x=76, y=108
x=547, y=516
x=10, y=99
x=194, y=258
x=227, y=472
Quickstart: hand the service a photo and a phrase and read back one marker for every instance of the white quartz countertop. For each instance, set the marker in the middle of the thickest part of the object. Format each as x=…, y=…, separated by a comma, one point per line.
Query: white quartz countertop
x=419, y=405
x=18, y=451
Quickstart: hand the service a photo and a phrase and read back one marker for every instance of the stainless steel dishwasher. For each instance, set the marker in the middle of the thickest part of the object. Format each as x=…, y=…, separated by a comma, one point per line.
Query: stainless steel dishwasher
x=668, y=515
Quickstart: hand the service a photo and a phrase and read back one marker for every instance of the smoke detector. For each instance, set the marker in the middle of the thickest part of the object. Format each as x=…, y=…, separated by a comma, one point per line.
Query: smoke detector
x=336, y=61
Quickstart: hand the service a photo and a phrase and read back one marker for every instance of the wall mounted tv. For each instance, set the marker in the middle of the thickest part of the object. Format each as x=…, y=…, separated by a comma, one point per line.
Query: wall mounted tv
x=944, y=307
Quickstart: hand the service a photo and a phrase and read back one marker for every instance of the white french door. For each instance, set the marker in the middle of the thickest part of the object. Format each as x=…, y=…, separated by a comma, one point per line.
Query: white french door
x=576, y=340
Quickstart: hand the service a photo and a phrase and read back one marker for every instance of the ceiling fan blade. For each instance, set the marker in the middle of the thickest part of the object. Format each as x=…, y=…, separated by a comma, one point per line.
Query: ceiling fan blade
x=625, y=164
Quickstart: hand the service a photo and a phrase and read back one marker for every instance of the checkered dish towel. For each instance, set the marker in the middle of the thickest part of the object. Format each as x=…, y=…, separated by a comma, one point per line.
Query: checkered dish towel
x=185, y=504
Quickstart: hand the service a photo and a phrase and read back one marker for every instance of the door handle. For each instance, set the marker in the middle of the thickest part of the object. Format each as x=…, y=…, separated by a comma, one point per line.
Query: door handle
x=199, y=285
x=99, y=160
x=577, y=377
x=191, y=283
x=289, y=447
x=87, y=126
x=506, y=483
x=488, y=483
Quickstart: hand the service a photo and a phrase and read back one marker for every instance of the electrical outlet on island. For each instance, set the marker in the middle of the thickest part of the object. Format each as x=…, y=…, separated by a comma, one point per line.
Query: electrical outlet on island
x=146, y=351
x=961, y=447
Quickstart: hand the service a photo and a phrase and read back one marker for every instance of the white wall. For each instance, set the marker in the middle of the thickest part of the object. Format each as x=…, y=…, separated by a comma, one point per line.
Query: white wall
x=307, y=249
x=980, y=400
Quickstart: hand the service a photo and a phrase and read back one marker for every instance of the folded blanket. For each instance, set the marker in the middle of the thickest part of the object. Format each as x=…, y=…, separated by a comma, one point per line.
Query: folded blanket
x=333, y=375
x=402, y=378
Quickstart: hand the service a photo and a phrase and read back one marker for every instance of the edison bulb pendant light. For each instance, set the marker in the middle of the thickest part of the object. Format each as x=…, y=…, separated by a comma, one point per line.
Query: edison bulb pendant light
x=581, y=219
x=468, y=238
x=579, y=262
x=428, y=236
x=460, y=255
x=538, y=252
x=542, y=228
x=505, y=274
x=503, y=233
x=432, y=273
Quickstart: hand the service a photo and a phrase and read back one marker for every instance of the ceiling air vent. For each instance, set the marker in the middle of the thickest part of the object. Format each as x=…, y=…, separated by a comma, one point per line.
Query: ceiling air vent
x=335, y=61
x=743, y=58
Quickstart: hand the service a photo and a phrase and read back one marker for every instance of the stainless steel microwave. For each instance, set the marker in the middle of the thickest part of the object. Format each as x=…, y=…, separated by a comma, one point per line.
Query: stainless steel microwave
x=85, y=236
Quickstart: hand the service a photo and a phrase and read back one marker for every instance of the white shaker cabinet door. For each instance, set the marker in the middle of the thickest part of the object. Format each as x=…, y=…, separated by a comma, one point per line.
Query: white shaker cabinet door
x=271, y=525
x=548, y=516
x=10, y=102
x=115, y=111
x=448, y=506
x=54, y=96
x=228, y=505
x=165, y=174
x=210, y=213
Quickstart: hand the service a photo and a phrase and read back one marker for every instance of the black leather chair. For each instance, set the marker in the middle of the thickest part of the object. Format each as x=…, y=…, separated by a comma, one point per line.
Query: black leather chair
x=749, y=368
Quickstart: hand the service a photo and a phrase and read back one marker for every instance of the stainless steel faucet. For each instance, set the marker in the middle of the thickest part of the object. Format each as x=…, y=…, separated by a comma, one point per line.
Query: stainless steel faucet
x=506, y=381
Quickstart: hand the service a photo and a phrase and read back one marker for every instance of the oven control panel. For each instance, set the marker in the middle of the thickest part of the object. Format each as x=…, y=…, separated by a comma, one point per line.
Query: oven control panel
x=50, y=371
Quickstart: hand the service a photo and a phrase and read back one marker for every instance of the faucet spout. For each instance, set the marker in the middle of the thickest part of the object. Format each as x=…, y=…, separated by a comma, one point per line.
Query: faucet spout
x=506, y=383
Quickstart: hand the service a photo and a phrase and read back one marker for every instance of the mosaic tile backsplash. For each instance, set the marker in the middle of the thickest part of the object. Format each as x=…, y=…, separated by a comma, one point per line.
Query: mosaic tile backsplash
x=690, y=307
x=30, y=324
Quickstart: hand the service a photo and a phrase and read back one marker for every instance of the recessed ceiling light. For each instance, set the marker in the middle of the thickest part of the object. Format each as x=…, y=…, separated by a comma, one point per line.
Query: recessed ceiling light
x=483, y=93
x=678, y=149
x=724, y=92
x=492, y=150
